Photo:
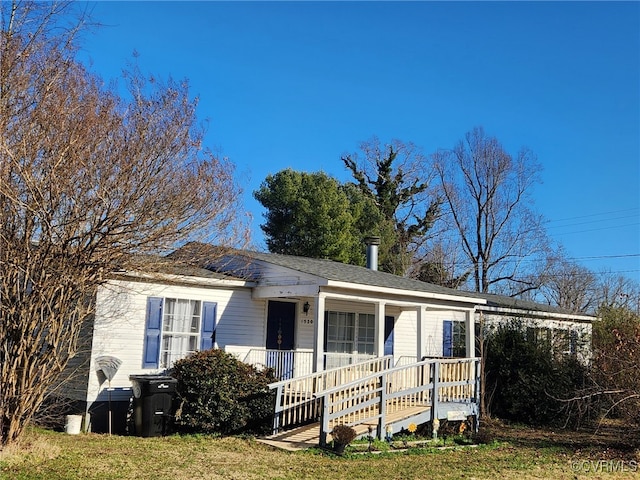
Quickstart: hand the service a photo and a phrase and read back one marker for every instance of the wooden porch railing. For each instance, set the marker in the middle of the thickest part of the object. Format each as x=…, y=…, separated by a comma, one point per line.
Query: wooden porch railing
x=337, y=360
x=373, y=398
x=285, y=363
x=295, y=399
x=288, y=364
x=451, y=369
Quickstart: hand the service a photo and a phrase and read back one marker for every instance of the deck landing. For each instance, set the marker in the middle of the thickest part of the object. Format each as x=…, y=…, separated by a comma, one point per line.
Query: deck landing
x=297, y=439
x=302, y=438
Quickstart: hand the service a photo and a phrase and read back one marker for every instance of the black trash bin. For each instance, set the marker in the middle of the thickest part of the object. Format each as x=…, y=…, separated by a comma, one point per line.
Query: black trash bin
x=152, y=399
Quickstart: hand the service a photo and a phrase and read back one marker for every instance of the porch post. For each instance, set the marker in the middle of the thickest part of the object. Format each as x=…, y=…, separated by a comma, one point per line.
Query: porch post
x=471, y=333
x=420, y=320
x=379, y=335
x=318, y=328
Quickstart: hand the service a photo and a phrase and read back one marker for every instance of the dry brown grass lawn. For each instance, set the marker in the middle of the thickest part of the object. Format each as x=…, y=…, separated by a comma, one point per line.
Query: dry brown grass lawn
x=517, y=453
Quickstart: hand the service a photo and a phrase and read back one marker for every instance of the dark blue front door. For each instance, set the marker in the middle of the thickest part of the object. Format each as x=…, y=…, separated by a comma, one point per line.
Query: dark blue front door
x=281, y=320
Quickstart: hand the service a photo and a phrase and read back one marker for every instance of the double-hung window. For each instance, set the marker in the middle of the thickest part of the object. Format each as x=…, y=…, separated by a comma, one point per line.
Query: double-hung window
x=340, y=332
x=366, y=333
x=560, y=341
x=180, y=329
x=176, y=328
x=350, y=333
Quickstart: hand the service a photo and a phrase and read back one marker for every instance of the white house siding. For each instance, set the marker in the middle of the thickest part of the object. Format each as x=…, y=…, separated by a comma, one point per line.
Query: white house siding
x=333, y=305
x=583, y=329
x=406, y=332
x=405, y=335
x=119, y=328
x=278, y=275
x=304, y=326
x=433, y=327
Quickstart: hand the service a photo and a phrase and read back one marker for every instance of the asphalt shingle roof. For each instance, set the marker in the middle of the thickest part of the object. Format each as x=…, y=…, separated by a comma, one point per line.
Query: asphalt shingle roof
x=503, y=301
x=172, y=266
x=341, y=272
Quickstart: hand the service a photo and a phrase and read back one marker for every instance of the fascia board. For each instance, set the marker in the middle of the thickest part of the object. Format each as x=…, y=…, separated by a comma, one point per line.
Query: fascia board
x=411, y=293
x=185, y=279
x=281, y=291
x=538, y=313
x=430, y=305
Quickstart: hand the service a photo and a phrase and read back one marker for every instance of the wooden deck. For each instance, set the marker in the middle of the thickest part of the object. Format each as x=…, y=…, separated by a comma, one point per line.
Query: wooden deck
x=299, y=438
x=374, y=398
x=302, y=438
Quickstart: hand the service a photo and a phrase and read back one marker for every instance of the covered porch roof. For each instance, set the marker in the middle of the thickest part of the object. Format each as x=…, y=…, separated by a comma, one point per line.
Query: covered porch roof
x=300, y=276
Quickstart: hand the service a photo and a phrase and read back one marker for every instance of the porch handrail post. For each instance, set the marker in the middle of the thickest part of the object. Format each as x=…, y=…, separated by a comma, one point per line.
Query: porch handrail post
x=382, y=421
x=435, y=379
x=324, y=420
x=277, y=409
x=478, y=371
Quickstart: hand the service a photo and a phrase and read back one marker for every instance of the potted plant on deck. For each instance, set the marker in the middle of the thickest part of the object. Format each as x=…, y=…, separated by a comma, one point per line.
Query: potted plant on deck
x=342, y=436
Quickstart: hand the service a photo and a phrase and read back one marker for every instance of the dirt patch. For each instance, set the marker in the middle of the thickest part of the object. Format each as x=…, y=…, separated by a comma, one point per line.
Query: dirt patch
x=610, y=438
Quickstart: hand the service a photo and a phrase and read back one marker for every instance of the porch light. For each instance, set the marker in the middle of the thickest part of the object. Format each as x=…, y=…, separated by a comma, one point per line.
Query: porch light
x=306, y=307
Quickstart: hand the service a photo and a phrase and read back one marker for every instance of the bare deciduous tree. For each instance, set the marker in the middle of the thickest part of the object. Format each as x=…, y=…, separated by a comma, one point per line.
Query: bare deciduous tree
x=487, y=192
x=396, y=177
x=617, y=291
x=88, y=177
x=440, y=264
x=569, y=286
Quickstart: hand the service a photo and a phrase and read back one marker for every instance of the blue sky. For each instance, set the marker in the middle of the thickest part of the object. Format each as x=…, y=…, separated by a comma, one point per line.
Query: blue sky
x=298, y=84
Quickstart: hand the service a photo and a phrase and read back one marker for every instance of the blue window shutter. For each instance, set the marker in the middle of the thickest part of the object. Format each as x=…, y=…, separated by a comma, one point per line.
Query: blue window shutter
x=207, y=334
x=388, y=335
x=447, y=338
x=151, y=354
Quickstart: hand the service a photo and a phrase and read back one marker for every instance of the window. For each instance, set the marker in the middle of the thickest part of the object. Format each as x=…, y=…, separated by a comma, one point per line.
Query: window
x=541, y=336
x=350, y=333
x=454, y=338
x=180, y=330
x=559, y=341
x=175, y=328
x=366, y=339
x=340, y=332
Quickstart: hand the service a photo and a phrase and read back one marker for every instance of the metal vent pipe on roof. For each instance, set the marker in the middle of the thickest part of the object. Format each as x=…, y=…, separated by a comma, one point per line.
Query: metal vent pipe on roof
x=372, y=252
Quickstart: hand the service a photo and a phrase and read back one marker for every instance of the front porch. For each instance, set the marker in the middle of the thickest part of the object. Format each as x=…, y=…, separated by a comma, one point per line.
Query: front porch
x=305, y=335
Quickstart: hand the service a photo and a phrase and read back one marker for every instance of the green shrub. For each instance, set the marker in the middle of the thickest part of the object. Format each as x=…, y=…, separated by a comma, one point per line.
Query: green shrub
x=217, y=393
x=525, y=381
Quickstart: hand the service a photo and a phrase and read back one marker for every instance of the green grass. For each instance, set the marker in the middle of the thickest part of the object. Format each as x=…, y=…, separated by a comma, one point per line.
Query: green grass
x=516, y=454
